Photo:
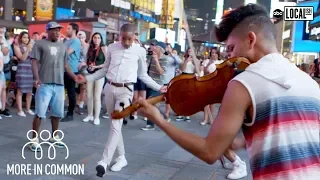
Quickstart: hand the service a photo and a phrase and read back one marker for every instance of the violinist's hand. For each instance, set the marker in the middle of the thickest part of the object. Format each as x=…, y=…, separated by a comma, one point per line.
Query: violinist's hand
x=163, y=89
x=150, y=111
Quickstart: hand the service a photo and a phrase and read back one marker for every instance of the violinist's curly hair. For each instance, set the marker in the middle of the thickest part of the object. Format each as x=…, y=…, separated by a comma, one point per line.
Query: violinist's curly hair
x=251, y=17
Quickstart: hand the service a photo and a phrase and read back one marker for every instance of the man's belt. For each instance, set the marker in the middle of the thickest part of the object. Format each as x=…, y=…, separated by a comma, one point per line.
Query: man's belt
x=120, y=84
x=126, y=85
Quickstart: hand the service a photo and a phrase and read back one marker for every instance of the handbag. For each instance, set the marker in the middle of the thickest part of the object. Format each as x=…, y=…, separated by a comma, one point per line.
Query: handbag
x=89, y=69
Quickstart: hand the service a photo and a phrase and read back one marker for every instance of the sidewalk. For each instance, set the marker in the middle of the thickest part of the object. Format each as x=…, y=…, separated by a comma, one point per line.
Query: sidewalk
x=151, y=155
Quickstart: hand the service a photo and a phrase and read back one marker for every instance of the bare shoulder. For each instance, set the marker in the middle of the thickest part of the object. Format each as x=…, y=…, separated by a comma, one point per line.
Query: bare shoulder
x=237, y=92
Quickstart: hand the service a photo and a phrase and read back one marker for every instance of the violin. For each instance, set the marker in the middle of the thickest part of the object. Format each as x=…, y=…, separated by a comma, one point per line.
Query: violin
x=188, y=94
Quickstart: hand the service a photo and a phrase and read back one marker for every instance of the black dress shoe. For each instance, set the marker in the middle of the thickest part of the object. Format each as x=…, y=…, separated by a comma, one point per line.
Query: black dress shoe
x=100, y=171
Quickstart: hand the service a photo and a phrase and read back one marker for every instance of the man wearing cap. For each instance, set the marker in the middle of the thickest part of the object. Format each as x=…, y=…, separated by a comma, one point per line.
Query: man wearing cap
x=158, y=65
x=49, y=62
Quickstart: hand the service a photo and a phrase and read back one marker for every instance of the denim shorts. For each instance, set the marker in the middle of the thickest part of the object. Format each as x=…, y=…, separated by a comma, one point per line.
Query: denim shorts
x=50, y=95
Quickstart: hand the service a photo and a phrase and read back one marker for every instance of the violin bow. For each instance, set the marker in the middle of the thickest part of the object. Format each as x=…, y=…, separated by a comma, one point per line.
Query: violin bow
x=196, y=62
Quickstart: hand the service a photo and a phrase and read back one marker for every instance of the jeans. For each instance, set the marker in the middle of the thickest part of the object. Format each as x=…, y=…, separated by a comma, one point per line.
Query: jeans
x=152, y=93
x=70, y=85
x=50, y=95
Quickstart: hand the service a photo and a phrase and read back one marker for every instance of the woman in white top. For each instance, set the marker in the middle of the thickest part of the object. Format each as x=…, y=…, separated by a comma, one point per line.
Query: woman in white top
x=187, y=67
x=209, y=66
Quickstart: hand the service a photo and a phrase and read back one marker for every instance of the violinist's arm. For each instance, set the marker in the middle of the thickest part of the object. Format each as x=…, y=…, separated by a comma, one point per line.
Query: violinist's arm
x=223, y=131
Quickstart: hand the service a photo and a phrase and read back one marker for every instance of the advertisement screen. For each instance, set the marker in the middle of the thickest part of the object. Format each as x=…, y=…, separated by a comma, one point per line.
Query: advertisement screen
x=301, y=37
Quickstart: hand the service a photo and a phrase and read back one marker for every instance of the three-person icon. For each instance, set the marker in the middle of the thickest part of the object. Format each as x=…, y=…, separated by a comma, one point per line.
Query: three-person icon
x=45, y=140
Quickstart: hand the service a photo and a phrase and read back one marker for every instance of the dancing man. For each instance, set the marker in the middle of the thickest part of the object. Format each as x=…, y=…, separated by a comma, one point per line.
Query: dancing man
x=283, y=104
x=125, y=62
x=49, y=61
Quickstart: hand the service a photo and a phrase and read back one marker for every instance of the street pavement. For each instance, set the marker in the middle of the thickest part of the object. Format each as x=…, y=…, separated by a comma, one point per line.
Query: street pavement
x=151, y=155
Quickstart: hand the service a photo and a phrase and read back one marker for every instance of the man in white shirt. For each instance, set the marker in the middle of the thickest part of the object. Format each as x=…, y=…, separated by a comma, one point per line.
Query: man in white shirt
x=125, y=62
x=4, y=48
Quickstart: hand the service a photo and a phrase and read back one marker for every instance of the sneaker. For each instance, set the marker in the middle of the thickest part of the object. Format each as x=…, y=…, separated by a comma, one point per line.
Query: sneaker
x=179, y=118
x=148, y=128
x=203, y=122
x=121, y=162
x=145, y=119
x=68, y=118
x=30, y=112
x=88, y=118
x=5, y=113
x=96, y=121
x=57, y=142
x=105, y=116
x=34, y=145
x=187, y=119
x=22, y=114
x=239, y=170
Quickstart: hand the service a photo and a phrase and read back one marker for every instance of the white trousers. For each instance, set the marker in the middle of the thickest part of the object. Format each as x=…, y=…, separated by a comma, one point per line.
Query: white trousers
x=113, y=97
x=94, y=90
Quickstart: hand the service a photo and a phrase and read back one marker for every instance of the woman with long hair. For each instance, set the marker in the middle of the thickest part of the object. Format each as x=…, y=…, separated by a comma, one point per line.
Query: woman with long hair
x=95, y=59
x=187, y=67
x=24, y=75
x=209, y=66
x=83, y=57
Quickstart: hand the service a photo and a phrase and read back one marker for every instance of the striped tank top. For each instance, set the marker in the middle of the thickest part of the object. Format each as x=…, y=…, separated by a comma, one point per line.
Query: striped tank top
x=283, y=136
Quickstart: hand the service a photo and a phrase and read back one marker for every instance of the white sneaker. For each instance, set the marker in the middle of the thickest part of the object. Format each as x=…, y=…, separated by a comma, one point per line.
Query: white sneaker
x=96, y=121
x=239, y=170
x=105, y=116
x=145, y=119
x=22, y=114
x=121, y=162
x=88, y=118
x=30, y=112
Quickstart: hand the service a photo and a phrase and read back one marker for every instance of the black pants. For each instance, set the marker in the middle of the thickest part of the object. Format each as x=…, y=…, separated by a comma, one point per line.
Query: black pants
x=70, y=85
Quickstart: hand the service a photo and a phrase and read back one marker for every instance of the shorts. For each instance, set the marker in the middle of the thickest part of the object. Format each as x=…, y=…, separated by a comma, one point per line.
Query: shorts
x=140, y=86
x=152, y=93
x=50, y=95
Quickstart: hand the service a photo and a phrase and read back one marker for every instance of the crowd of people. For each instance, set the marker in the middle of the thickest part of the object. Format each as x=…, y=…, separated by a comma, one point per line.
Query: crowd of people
x=108, y=78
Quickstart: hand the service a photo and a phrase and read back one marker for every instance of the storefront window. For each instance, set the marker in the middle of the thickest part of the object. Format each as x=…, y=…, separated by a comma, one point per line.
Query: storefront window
x=1, y=12
x=18, y=15
x=1, y=9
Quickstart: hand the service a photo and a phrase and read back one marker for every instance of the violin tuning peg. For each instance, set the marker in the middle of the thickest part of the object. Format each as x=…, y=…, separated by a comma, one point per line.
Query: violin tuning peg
x=125, y=122
x=131, y=117
x=122, y=104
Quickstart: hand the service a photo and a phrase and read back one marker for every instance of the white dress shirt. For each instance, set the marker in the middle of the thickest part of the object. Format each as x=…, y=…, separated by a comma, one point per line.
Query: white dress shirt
x=125, y=65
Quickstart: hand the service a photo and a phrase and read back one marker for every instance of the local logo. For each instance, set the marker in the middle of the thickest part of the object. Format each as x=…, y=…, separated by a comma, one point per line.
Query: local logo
x=45, y=141
x=298, y=13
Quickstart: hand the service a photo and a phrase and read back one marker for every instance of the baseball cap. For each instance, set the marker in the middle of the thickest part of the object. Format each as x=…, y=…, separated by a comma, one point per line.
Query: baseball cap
x=53, y=25
x=162, y=45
